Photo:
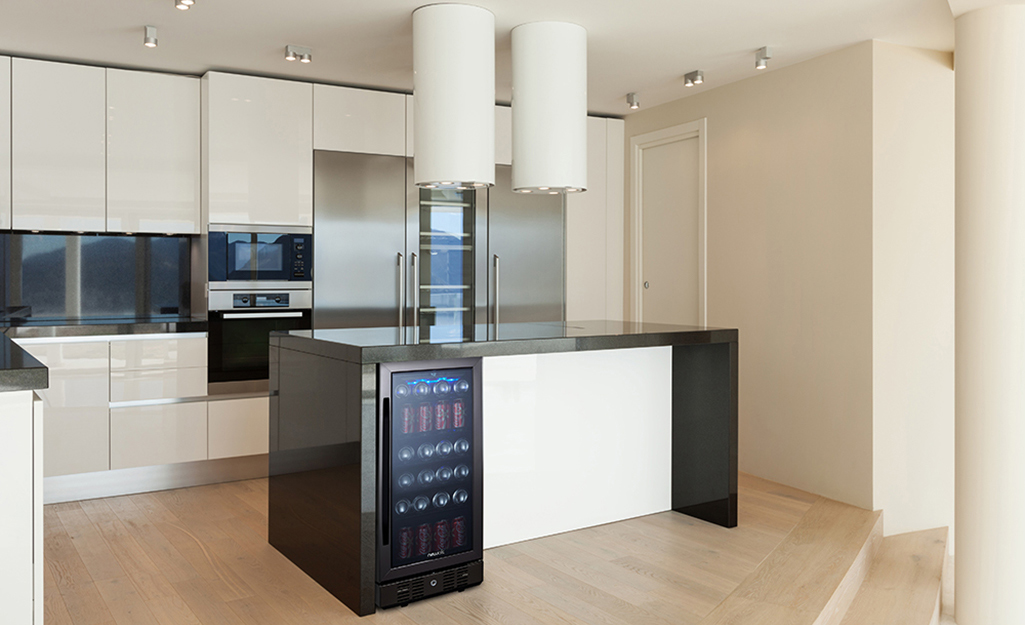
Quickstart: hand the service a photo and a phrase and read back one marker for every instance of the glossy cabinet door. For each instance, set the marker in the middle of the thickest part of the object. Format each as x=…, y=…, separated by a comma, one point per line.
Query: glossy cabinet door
x=152, y=435
x=76, y=406
x=58, y=151
x=239, y=427
x=153, y=170
x=158, y=353
x=17, y=491
x=5, y=143
x=359, y=120
x=503, y=135
x=157, y=384
x=258, y=150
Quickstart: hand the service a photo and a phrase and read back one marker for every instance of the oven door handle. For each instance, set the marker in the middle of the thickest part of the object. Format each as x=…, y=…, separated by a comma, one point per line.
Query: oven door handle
x=268, y=315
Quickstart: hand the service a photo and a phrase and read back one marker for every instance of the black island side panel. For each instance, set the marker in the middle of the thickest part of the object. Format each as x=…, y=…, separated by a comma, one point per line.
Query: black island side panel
x=704, y=438
x=321, y=510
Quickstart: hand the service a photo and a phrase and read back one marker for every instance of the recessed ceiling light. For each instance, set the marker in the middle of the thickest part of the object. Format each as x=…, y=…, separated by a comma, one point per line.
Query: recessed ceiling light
x=149, y=38
x=632, y=101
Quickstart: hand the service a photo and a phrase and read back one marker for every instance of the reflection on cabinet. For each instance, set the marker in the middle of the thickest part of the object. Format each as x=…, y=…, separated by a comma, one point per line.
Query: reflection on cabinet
x=153, y=169
x=153, y=435
x=359, y=120
x=258, y=150
x=75, y=425
x=594, y=228
x=158, y=353
x=157, y=384
x=5, y=143
x=239, y=427
x=57, y=146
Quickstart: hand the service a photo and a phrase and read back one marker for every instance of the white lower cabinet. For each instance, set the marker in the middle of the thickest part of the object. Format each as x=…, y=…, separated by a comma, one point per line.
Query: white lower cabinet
x=239, y=427
x=158, y=353
x=157, y=384
x=151, y=435
x=21, y=536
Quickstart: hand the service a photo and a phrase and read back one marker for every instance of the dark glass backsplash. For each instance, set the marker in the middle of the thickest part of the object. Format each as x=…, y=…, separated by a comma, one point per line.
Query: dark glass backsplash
x=49, y=277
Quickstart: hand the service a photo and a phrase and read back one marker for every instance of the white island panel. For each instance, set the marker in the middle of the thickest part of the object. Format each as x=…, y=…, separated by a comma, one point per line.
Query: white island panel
x=573, y=440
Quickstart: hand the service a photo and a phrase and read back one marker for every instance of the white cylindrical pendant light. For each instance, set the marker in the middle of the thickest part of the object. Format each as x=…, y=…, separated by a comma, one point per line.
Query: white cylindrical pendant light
x=453, y=96
x=549, y=107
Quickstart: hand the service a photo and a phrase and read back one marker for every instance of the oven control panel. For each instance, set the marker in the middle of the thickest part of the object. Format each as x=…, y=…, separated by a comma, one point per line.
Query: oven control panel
x=260, y=300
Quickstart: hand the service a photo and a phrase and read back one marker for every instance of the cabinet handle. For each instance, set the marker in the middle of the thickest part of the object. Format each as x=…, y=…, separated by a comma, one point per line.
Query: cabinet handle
x=497, y=292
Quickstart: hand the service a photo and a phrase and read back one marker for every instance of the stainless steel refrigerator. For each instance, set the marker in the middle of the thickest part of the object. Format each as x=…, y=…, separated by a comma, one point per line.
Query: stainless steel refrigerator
x=446, y=263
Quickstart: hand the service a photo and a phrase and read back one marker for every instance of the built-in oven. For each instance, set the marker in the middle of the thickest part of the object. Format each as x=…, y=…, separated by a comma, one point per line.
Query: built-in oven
x=240, y=323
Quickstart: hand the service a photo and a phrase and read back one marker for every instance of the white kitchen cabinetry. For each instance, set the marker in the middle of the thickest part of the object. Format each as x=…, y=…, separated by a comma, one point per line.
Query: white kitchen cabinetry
x=239, y=427
x=153, y=435
x=359, y=120
x=157, y=384
x=153, y=148
x=258, y=150
x=168, y=352
x=594, y=228
x=58, y=155
x=5, y=142
x=76, y=422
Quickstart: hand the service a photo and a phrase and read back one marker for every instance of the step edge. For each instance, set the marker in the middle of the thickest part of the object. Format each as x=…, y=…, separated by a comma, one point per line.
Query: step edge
x=847, y=589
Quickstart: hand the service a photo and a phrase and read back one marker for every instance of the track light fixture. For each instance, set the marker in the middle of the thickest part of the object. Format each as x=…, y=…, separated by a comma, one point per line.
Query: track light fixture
x=298, y=53
x=693, y=78
x=762, y=57
x=183, y=5
x=149, y=37
x=632, y=101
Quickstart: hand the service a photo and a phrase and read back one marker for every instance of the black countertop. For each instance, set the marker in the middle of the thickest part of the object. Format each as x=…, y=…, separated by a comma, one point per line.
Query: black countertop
x=375, y=345
x=19, y=371
x=161, y=324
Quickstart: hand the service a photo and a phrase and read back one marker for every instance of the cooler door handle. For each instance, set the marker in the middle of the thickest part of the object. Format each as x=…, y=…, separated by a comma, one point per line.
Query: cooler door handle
x=385, y=451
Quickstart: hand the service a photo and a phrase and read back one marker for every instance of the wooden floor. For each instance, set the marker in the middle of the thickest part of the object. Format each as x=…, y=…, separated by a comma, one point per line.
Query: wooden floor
x=200, y=556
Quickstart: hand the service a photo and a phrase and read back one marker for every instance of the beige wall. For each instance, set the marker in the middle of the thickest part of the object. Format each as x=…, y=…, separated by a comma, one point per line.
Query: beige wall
x=789, y=262
x=913, y=287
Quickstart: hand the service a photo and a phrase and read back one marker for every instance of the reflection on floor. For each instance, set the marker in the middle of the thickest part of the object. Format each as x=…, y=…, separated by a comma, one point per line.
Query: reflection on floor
x=200, y=556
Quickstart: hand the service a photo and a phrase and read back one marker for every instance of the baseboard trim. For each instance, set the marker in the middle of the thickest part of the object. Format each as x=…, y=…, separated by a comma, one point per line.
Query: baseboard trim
x=64, y=488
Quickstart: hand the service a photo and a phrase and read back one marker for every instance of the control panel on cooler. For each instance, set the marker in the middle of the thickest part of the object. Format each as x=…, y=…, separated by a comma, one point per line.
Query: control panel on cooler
x=431, y=465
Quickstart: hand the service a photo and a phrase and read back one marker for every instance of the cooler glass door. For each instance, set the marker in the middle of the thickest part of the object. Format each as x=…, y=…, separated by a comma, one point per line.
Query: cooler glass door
x=430, y=494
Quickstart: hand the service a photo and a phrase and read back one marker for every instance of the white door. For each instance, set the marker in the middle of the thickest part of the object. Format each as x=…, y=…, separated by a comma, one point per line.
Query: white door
x=669, y=218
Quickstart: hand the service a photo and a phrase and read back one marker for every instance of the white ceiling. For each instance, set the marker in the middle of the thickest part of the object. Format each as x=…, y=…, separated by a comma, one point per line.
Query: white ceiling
x=633, y=45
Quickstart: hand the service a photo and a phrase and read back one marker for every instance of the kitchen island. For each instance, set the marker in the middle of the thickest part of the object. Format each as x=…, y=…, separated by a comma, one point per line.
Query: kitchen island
x=584, y=423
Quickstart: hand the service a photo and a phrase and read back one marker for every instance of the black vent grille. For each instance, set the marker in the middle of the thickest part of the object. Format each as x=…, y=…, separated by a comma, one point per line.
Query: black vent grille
x=413, y=590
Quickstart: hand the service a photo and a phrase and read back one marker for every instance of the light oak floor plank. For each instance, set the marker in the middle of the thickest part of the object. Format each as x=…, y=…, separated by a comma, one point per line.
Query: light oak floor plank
x=200, y=556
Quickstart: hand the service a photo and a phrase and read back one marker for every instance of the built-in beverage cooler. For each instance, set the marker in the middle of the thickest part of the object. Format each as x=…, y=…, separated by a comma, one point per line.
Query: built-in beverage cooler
x=430, y=509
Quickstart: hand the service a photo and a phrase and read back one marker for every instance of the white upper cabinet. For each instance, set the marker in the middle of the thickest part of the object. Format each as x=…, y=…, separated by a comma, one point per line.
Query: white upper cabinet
x=358, y=120
x=5, y=142
x=258, y=150
x=58, y=146
x=503, y=135
x=153, y=169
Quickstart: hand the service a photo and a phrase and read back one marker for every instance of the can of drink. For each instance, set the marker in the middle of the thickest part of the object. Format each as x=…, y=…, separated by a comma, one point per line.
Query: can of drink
x=426, y=419
x=441, y=536
x=459, y=531
x=458, y=414
x=406, y=543
x=442, y=415
x=424, y=539
x=408, y=424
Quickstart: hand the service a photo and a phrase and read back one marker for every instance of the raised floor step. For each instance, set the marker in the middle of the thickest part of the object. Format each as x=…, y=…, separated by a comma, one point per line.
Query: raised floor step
x=813, y=575
x=904, y=585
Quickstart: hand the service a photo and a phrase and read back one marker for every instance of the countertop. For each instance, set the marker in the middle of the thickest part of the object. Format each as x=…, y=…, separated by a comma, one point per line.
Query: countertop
x=19, y=371
x=376, y=345
x=163, y=324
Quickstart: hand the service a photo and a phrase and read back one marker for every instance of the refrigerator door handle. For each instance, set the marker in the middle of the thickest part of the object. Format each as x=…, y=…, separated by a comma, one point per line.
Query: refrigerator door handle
x=497, y=292
x=402, y=293
x=416, y=292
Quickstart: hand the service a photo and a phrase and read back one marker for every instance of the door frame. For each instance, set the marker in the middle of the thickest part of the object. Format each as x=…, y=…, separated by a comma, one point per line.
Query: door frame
x=638, y=144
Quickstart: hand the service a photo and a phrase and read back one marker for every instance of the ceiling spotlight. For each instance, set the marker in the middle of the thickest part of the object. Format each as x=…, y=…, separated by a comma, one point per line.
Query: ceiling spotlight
x=149, y=38
x=632, y=101
x=183, y=5
x=762, y=57
x=298, y=53
x=693, y=78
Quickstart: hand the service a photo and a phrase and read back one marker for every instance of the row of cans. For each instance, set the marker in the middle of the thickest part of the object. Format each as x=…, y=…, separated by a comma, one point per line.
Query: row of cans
x=432, y=538
x=439, y=417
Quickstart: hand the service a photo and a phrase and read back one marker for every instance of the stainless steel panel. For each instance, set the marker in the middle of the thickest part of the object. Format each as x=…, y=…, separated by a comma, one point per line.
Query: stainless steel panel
x=260, y=285
x=527, y=232
x=359, y=220
x=224, y=300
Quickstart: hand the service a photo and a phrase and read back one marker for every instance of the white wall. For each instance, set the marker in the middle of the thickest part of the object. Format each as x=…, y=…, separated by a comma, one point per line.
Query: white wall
x=913, y=287
x=789, y=262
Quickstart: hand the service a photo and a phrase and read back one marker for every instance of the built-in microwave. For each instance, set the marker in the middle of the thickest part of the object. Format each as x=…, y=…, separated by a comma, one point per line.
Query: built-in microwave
x=260, y=254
